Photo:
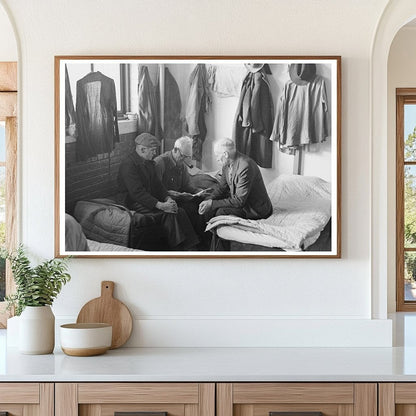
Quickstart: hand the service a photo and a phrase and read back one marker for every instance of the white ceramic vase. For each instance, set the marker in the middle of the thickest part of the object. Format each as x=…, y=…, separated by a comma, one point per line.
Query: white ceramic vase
x=37, y=330
x=12, y=334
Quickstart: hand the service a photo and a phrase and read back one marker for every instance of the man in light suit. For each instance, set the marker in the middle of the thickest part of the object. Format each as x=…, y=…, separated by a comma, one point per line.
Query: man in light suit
x=241, y=191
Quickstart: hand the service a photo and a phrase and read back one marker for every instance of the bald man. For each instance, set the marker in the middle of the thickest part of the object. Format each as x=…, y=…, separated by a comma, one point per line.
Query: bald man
x=241, y=191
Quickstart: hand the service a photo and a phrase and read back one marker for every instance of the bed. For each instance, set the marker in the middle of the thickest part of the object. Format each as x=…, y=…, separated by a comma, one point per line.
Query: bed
x=76, y=241
x=105, y=221
x=301, y=220
x=97, y=246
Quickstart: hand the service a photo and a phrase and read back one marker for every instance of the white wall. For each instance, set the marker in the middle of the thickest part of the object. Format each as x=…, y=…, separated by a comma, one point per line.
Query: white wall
x=8, y=46
x=401, y=74
x=203, y=302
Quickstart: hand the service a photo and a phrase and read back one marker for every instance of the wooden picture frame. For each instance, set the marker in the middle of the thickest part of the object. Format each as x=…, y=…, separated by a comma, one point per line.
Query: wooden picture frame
x=278, y=196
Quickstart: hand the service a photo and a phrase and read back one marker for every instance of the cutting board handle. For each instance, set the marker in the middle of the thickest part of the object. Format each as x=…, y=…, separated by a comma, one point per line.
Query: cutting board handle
x=107, y=289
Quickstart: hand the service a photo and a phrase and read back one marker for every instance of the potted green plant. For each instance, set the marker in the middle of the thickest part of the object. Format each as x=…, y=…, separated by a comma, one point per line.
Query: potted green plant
x=36, y=289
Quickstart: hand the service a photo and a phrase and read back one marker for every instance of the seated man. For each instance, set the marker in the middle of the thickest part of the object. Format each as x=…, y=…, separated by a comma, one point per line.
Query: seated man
x=144, y=192
x=241, y=191
x=172, y=169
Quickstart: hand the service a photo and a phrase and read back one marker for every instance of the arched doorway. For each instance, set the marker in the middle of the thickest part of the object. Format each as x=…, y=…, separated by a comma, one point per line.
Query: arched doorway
x=396, y=15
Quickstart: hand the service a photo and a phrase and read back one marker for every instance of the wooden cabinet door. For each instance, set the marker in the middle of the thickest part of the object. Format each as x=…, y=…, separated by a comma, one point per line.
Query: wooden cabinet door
x=145, y=399
x=397, y=399
x=297, y=399
x=27, y=399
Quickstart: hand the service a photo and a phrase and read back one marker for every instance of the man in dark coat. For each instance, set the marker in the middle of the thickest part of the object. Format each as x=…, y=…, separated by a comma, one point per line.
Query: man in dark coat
x=145, y=193
x=241, y=191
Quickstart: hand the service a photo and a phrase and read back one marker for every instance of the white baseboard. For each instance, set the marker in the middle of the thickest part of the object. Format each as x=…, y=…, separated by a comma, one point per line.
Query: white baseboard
x=254, y=332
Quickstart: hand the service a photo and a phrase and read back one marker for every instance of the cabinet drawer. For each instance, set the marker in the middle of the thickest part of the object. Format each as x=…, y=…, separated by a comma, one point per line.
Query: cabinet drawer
x=309, y=399
x=19, y=393
x=138, y=393
x=107, y=399
x=21, y=399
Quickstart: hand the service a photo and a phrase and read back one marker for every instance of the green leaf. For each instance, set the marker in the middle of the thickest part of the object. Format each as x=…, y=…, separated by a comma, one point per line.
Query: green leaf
x=35, y=286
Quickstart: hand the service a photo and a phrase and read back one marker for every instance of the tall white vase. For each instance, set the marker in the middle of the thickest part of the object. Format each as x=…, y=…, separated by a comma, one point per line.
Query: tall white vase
x=37, y=330
x=12, y=334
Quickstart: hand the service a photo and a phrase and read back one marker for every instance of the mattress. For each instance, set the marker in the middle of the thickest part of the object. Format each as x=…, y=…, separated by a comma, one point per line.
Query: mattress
x=96, y=246
x=301, y=210
x=250, y=237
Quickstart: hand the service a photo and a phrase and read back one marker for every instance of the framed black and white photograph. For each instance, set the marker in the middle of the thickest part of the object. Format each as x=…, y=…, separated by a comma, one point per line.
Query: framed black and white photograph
x=198, y=156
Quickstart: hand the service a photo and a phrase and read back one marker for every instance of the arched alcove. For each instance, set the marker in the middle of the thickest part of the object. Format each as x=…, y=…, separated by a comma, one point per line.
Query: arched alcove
x=401, y=74
x=397, y=14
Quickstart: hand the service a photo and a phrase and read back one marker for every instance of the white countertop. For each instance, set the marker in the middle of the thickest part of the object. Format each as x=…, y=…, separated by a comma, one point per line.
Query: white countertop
x=222, y=364
x=215, y=364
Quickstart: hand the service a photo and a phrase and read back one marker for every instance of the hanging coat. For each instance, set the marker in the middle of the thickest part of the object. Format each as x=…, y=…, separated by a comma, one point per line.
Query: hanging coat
x=96, y=115
x=148, y=114
x=302, y=113
x=254, y=119
x=172, y=124
x=70, y=117
x=197, y=105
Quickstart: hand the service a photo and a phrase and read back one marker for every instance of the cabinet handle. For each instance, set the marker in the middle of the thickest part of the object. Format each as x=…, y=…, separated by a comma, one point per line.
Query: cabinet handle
x=295, y=413
x=138, y=414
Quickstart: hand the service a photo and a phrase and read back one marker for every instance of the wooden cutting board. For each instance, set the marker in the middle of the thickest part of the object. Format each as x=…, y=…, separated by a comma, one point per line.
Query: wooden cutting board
x=108, y=310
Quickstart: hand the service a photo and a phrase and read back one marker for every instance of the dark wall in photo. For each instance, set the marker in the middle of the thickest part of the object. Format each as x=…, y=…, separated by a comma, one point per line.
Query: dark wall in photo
x=95, y=177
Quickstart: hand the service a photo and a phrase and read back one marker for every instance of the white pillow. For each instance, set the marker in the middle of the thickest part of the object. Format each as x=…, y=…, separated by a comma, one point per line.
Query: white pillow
x=292, y=191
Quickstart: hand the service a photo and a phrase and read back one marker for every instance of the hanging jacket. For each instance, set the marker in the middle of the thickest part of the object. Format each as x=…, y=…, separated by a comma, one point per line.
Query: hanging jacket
x=302, y=114
x=148, y=114
x=172, y=124
x=70, y=117
x=254, y=119
x=96, y=111
x=197, y=105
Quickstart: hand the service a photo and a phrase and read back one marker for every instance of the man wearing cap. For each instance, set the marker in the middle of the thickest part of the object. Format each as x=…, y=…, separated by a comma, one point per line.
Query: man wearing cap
x=172, y=169
x=145, y=193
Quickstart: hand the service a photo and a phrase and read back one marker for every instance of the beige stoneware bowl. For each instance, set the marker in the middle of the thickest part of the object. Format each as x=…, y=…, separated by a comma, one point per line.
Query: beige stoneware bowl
x=83, y=340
